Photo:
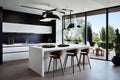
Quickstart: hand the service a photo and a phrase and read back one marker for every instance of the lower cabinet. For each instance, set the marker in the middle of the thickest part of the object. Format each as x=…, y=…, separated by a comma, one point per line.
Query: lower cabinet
x=15, y=56
x=15, y=53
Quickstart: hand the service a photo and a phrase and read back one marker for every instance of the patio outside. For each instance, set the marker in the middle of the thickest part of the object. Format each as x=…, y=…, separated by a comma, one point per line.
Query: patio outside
x=96, y=34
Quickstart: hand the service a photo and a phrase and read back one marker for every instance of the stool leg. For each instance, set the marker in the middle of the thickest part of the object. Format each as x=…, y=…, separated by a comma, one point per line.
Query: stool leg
x=49, y=64
x=65, y=62
x=89, y=61
x=79, y=59
x=83, y=62
x=73, y=63
x=56, y=64
x=61, y=66
x=78, y=62
x=53, y=67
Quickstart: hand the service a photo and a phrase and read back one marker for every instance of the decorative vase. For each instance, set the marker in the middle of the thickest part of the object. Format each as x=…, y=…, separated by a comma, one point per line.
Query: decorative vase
x=116, y=60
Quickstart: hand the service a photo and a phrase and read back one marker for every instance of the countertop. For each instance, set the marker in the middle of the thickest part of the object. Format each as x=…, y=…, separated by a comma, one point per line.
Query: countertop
x=24, y=44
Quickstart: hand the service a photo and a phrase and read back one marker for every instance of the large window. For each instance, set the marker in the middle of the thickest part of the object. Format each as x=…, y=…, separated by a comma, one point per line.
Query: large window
x=96, y=33
x=74, y=35
x=114, y=24
x=97, y=30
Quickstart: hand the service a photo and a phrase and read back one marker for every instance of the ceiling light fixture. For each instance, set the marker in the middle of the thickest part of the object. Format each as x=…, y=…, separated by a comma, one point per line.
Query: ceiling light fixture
x=78, y=26
x=64, y=22
x=71, y=25
x=48, y=16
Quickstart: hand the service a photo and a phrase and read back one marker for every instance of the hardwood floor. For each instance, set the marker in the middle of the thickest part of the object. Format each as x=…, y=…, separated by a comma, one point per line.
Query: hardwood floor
x=101, y=70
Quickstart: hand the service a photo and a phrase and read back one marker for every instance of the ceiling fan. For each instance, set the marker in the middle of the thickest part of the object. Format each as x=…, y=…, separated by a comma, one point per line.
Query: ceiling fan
x=47, y=14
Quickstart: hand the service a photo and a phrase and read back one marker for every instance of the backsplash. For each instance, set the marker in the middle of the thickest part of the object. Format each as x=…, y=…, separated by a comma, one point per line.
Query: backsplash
x=29, y=38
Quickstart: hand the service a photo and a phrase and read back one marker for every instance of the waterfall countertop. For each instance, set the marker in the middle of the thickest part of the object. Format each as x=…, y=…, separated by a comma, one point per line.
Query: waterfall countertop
x=23, y=44
x=39, y=56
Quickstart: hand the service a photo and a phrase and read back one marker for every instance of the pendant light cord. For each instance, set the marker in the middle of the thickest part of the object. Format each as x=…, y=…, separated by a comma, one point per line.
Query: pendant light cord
x=70, y=16
x=64, y=20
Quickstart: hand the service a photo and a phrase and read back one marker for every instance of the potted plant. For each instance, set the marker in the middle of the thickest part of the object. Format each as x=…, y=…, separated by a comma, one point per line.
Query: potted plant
x=48, y=45
x=63, y=45
x=116, y=58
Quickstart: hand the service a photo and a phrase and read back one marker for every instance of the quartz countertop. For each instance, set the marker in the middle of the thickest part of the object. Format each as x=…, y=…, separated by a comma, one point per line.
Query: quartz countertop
x=24, y=44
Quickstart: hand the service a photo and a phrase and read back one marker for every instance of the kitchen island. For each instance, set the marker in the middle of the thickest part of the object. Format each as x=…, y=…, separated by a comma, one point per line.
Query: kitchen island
x=39, y=57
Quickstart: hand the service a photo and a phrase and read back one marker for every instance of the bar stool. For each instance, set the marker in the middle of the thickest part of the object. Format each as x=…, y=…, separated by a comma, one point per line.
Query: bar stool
x=84, y=52
x=73, y=53
x=56, y=55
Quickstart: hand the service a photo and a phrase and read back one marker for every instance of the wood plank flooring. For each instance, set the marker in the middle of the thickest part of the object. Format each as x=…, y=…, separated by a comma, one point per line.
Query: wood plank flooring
x=101, y=70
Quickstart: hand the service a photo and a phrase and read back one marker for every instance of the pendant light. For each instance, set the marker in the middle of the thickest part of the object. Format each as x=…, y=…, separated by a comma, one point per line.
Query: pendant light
x=78, y=26
x=71, y=25
x=48, y=16
x=64, y=22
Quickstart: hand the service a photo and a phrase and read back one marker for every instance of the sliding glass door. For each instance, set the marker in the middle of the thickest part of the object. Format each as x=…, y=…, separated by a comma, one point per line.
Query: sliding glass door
x=96, y=34
x=98, y=29
x=114, y=24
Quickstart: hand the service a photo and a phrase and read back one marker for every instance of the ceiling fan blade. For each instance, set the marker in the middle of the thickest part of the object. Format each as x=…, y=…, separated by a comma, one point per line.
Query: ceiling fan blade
x=33, y=8
x=53, y=9
x=67, y=10
x=61, y=12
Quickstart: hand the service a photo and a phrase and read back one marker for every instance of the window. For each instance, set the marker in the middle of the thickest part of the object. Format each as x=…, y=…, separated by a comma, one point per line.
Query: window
x=96, y=33
x=74, y=35
x=97, y=24
x=114, y=18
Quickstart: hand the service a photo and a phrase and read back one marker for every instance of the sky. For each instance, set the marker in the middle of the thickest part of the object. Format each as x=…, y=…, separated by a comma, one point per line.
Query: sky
x=98, y=21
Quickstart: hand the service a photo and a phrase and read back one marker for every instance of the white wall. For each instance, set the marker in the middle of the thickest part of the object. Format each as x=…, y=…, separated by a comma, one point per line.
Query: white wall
x=59, y=31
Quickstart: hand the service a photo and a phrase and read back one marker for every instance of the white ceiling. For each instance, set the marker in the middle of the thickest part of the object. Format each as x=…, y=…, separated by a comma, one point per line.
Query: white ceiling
x=76, y=5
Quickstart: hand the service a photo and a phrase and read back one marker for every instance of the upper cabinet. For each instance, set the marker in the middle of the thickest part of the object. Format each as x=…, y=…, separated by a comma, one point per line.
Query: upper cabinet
x=25, y=28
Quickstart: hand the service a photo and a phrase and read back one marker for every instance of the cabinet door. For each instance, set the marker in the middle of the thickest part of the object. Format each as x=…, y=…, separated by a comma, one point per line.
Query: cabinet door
x=15, y=49
x=25, y=28
x=15, y=56
x=15, y=53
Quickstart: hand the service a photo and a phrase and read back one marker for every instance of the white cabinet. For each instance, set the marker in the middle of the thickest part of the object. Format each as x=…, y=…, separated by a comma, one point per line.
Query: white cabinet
x=15, y=53
x=15, y=49
x=26, y=28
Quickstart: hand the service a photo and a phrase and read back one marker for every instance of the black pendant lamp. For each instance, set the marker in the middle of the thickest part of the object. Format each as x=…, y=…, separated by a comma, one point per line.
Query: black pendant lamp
x=78, y=26
x=48, y=16
x=71, y=25
x=64, y=22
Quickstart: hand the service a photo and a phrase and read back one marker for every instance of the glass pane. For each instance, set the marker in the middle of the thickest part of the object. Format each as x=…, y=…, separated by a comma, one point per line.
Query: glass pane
x=74, y=35
x=114, y=23
x=96, y=35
